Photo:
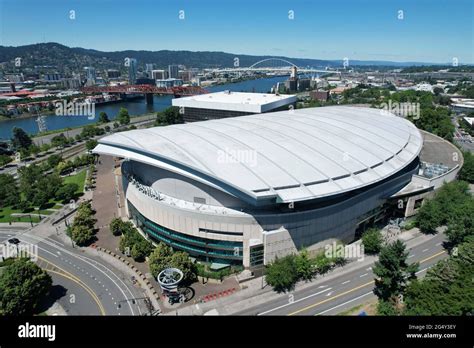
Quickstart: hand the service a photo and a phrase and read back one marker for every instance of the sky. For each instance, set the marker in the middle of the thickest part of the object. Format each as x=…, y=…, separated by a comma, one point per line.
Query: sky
x=433, y=31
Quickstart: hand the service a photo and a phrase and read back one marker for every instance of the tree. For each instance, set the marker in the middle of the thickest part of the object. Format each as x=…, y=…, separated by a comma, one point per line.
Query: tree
x=20, y=139
x=123, y=117
x=461, y=226
x=181, y=261
x=467, y=171
x=4, y=160
x=91, y=144
x=103, y=118
x=170, y=115
x=447, y=206
x=8, y=190
x=304, y=265
x=59, y=140
x=393, y=272
x=163, y=257
x=117, y=226
x=81, y=234
x=282, y=274
x=67, y=192
x=372, y=241
x=54, y=160
x=22, y=286
x=445, y=290
x=160, y=259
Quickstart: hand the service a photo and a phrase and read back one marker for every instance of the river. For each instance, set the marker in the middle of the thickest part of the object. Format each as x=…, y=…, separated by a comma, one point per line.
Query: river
x=134, y=107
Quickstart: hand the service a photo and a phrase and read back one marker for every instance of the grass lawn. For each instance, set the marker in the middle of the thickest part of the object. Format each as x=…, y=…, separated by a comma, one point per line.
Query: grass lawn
x=79, y=179
x=6, y=215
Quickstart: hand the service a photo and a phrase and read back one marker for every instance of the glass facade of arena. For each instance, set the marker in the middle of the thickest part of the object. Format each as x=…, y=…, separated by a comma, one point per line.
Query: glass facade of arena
x=209, y=250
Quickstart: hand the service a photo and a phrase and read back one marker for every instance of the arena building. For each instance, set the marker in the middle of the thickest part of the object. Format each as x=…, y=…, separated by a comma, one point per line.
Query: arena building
x=244, y=190
x=212, y=106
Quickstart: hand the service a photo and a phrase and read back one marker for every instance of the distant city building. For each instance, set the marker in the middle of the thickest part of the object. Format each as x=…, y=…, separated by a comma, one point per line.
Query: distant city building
x=91, y=75
x=230, y=104
x=71, y=83
x=425, y=87
x=132, y=71
x=294, y=72
x=470, y=121
x=173, y=71
x=319, y=95
x=291, y=85
x=304, y=84
x=159, y=74
x=113, y=74
x=145, y=81
x=462, y=105
x=47, y=77
x=148, y=69
x=187, y=75
x=168, y=83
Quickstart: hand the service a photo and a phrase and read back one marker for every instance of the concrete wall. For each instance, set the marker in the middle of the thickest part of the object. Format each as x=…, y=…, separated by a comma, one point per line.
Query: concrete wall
x=300, y=228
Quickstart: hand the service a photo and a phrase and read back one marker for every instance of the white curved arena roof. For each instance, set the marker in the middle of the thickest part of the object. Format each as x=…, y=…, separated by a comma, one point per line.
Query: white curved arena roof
x=287, y=155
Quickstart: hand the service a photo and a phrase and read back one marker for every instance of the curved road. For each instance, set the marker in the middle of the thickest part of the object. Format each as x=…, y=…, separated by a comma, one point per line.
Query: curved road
x=91, y=286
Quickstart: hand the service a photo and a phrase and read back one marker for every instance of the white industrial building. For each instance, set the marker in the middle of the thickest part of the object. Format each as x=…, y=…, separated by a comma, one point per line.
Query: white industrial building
x=231, y=104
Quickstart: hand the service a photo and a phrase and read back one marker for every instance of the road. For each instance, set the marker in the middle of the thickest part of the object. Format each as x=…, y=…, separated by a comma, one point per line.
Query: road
x=84, y=282
x=346, y=291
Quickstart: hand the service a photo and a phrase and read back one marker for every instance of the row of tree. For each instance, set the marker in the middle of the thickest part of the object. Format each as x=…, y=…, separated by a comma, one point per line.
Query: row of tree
x=81, y=231
x=133, y=244
x=452, y=206
x=283, y=273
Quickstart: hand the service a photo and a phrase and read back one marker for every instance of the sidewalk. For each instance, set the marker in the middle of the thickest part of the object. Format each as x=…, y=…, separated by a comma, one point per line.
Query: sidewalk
x=252, y=293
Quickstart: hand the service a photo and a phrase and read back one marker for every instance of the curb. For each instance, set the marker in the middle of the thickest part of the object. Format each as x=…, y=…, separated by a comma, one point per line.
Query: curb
x=135, y=270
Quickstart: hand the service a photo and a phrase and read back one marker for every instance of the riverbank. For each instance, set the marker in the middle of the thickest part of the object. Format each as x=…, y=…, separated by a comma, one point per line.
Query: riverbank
x=57, y=124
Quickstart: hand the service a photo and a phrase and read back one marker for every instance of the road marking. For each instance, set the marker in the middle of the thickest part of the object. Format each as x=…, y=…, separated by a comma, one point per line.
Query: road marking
x=433, y=256
x=329, y=293
x=438, y=244
x=342, y=304
x=332, y=298
x=290, y=303
x=368, y=269
x=347, y=281
x=72, y=277
x=424, y=250
x=363, y=275
x=357, y=288
x=410, y=256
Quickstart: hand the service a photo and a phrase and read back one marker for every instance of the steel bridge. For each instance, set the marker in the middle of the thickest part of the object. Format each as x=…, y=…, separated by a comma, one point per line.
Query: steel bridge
x=147, y=90
x=275, y=65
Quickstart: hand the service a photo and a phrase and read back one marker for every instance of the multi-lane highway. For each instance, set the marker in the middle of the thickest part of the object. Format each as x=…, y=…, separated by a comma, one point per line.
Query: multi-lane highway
x=83, y=282
x=347, y=290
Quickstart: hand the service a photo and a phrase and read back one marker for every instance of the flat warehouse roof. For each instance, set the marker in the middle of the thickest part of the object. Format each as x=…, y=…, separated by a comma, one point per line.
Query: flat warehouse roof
x=288, y=155
x=236, y=101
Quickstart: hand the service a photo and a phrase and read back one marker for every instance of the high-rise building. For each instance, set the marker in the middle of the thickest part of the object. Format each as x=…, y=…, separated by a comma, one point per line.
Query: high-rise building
x=148, y=69
x=159, y=74
x=90, y=75
x=132, y=71
x=173, y=71
x=113, y=73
